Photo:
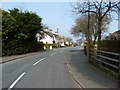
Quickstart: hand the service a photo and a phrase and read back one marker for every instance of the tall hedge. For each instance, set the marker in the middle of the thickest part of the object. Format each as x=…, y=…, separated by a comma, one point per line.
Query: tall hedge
x=18, y=31
x=110, y=46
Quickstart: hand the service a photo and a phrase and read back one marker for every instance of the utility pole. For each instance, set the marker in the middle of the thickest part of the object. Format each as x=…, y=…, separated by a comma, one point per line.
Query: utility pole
x=57, y=30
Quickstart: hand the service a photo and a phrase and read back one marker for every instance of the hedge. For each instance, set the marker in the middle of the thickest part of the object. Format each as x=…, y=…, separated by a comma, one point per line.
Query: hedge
x=18, y=32
x=53, y=45
x=19, y=49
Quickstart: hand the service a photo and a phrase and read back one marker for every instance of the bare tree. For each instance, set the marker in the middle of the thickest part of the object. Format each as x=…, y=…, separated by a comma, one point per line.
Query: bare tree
x=100, y=8
x=81, y=27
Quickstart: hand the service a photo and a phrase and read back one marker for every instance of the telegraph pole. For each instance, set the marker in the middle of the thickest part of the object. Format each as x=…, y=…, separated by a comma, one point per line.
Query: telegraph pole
x=57, y=30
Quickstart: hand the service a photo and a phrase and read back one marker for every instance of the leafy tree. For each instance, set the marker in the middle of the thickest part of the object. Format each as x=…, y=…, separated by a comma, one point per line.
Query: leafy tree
x=27, y=24
x=18, y=30
x=8, y=30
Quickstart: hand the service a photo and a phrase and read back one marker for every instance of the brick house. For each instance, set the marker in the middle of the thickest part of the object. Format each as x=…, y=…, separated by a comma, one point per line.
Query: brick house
x=115, y=35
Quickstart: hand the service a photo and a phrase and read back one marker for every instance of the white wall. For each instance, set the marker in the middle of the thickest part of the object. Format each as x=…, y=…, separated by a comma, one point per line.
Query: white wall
x=47, y=39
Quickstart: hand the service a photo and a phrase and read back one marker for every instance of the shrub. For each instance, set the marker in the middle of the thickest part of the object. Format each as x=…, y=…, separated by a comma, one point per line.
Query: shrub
x=38, y=46
x=53, y=45
x=18, y=32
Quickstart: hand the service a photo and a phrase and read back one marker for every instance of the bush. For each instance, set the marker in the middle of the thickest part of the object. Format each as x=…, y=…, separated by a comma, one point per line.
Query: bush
x=53, y=45
x=18, y=32
x=38, y=46
x=9, y=49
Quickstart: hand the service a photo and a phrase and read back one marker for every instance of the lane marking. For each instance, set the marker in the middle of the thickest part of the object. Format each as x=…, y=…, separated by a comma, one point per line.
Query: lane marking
x=38, y=61
x=15, y=82
x=52, y=54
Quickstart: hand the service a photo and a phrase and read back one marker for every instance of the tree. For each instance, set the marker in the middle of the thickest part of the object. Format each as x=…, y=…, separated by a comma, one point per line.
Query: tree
x=19, y=30
x=45, y=26
x=100, y=8
x=8, y=30
x=27, y=24
x=81, y=27
x=68, y=40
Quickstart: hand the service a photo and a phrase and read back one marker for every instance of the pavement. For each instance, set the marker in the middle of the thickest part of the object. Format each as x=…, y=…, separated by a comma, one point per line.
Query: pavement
x=49, y=70
x=86, y=74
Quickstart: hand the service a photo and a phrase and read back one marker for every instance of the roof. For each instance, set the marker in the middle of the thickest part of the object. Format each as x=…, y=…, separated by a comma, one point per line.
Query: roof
x=50, y=32
x=117, y=32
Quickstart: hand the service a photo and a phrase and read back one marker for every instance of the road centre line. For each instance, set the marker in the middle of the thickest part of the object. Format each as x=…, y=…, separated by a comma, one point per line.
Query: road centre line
x=53, y=54
x=15, y=82
x=38, y=61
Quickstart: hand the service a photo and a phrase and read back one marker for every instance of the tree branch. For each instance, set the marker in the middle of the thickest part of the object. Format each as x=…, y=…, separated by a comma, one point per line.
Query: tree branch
x=109, y=7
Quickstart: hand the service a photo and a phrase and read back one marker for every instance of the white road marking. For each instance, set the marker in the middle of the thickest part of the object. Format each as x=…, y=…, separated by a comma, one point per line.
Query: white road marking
x=52, y=54
x=15, y=82
x=38, y=61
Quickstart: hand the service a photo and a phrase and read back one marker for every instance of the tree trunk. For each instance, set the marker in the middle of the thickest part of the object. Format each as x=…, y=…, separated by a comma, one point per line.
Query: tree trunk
x=99, y=33
x=88, y=50
x=94, y=42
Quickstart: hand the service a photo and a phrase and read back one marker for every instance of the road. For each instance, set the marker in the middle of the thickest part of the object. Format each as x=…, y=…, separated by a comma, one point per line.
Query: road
x=45, y=70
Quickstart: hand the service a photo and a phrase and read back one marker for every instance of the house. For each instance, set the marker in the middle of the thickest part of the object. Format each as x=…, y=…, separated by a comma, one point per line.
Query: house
x=64, y=41
x=48, y=37
x=114, y=36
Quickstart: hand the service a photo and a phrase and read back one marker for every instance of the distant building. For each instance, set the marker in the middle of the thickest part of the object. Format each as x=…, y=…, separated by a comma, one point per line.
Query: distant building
x=38, y=36
x=48, y=37
x=79, y=41
x=64, y=41
x=114, y=36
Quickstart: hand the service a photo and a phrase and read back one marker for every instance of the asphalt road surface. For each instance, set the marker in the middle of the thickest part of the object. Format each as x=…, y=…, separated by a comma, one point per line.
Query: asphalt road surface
x=45, y=70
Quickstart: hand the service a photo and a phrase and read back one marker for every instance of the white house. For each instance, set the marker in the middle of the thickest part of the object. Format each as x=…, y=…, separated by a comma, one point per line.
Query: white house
x=38, y=36
x=48, y=37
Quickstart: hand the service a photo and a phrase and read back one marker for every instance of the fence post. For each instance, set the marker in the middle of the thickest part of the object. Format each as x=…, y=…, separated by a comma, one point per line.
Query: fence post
x=119, y=73
x=99, y=53
x=119, y=47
